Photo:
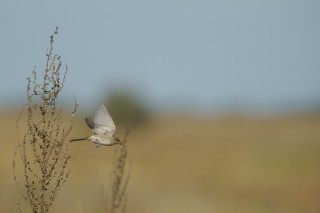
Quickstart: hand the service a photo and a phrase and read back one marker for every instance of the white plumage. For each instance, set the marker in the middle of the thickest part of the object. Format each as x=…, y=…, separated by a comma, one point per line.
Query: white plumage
x=102, y=127
x=103, y=123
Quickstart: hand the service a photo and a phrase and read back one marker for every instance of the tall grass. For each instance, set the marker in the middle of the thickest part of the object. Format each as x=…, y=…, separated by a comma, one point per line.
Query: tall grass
x=116, y=201
x=42, y=150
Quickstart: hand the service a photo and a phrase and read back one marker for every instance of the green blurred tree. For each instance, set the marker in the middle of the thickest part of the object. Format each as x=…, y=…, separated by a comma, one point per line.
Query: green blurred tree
x=125, y=107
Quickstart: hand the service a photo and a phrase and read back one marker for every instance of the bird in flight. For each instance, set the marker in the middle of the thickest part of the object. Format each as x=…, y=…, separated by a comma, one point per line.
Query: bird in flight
x=102, y=127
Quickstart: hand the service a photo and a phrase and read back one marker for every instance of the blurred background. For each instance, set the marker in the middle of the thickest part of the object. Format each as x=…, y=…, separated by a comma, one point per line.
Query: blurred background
x=223, y=99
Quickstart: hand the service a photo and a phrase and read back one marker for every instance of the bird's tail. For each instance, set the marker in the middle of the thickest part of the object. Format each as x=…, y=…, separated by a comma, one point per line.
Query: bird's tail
x=79, y=139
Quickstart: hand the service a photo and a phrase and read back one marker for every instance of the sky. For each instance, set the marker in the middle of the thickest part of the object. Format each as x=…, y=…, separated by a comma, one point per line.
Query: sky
x=195, y=55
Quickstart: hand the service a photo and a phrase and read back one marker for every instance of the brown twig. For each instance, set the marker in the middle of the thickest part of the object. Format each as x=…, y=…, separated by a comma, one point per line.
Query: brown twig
x=119, y=181
x=43, y=151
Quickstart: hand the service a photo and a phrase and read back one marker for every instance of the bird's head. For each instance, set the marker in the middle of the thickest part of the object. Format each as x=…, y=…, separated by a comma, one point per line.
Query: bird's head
x=117, y=140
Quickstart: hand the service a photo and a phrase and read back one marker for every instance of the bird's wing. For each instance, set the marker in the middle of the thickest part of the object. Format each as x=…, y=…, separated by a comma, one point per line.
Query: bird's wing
x=103, y=123
x=90, y=123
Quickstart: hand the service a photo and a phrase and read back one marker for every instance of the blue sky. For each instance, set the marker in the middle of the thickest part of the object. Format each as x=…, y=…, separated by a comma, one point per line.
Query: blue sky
x=189, y=54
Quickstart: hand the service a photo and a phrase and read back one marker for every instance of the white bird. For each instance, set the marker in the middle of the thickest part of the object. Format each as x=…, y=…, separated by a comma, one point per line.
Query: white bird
x=102, y=127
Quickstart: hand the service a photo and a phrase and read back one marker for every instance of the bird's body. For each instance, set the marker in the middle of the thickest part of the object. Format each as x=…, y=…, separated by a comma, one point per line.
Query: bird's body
x=102, y=127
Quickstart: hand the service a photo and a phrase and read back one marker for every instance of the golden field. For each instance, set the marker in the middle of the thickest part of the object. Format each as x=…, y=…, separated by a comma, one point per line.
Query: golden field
x=187, y=164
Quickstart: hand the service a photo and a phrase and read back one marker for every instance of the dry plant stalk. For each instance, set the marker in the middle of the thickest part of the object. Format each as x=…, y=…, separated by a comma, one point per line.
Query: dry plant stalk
x=42, y=150
x=119, y=182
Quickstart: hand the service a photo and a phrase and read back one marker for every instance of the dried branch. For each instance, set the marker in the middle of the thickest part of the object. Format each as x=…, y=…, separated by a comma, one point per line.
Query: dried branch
x=119, y=182
x=43, y=150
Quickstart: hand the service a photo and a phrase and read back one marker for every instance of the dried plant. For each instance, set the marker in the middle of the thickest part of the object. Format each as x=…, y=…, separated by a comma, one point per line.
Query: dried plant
x=119, y=181
x=42, y=150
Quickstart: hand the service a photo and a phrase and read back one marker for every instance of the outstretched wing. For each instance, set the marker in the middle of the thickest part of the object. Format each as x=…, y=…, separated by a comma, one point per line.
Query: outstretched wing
x=90, y=123
x=103, y=123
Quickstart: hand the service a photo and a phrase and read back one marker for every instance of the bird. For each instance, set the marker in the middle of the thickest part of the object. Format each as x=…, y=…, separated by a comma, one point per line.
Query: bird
x=102, y=128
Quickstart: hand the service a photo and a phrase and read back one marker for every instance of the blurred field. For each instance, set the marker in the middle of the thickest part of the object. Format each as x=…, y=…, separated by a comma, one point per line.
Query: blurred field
x=185, y=164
